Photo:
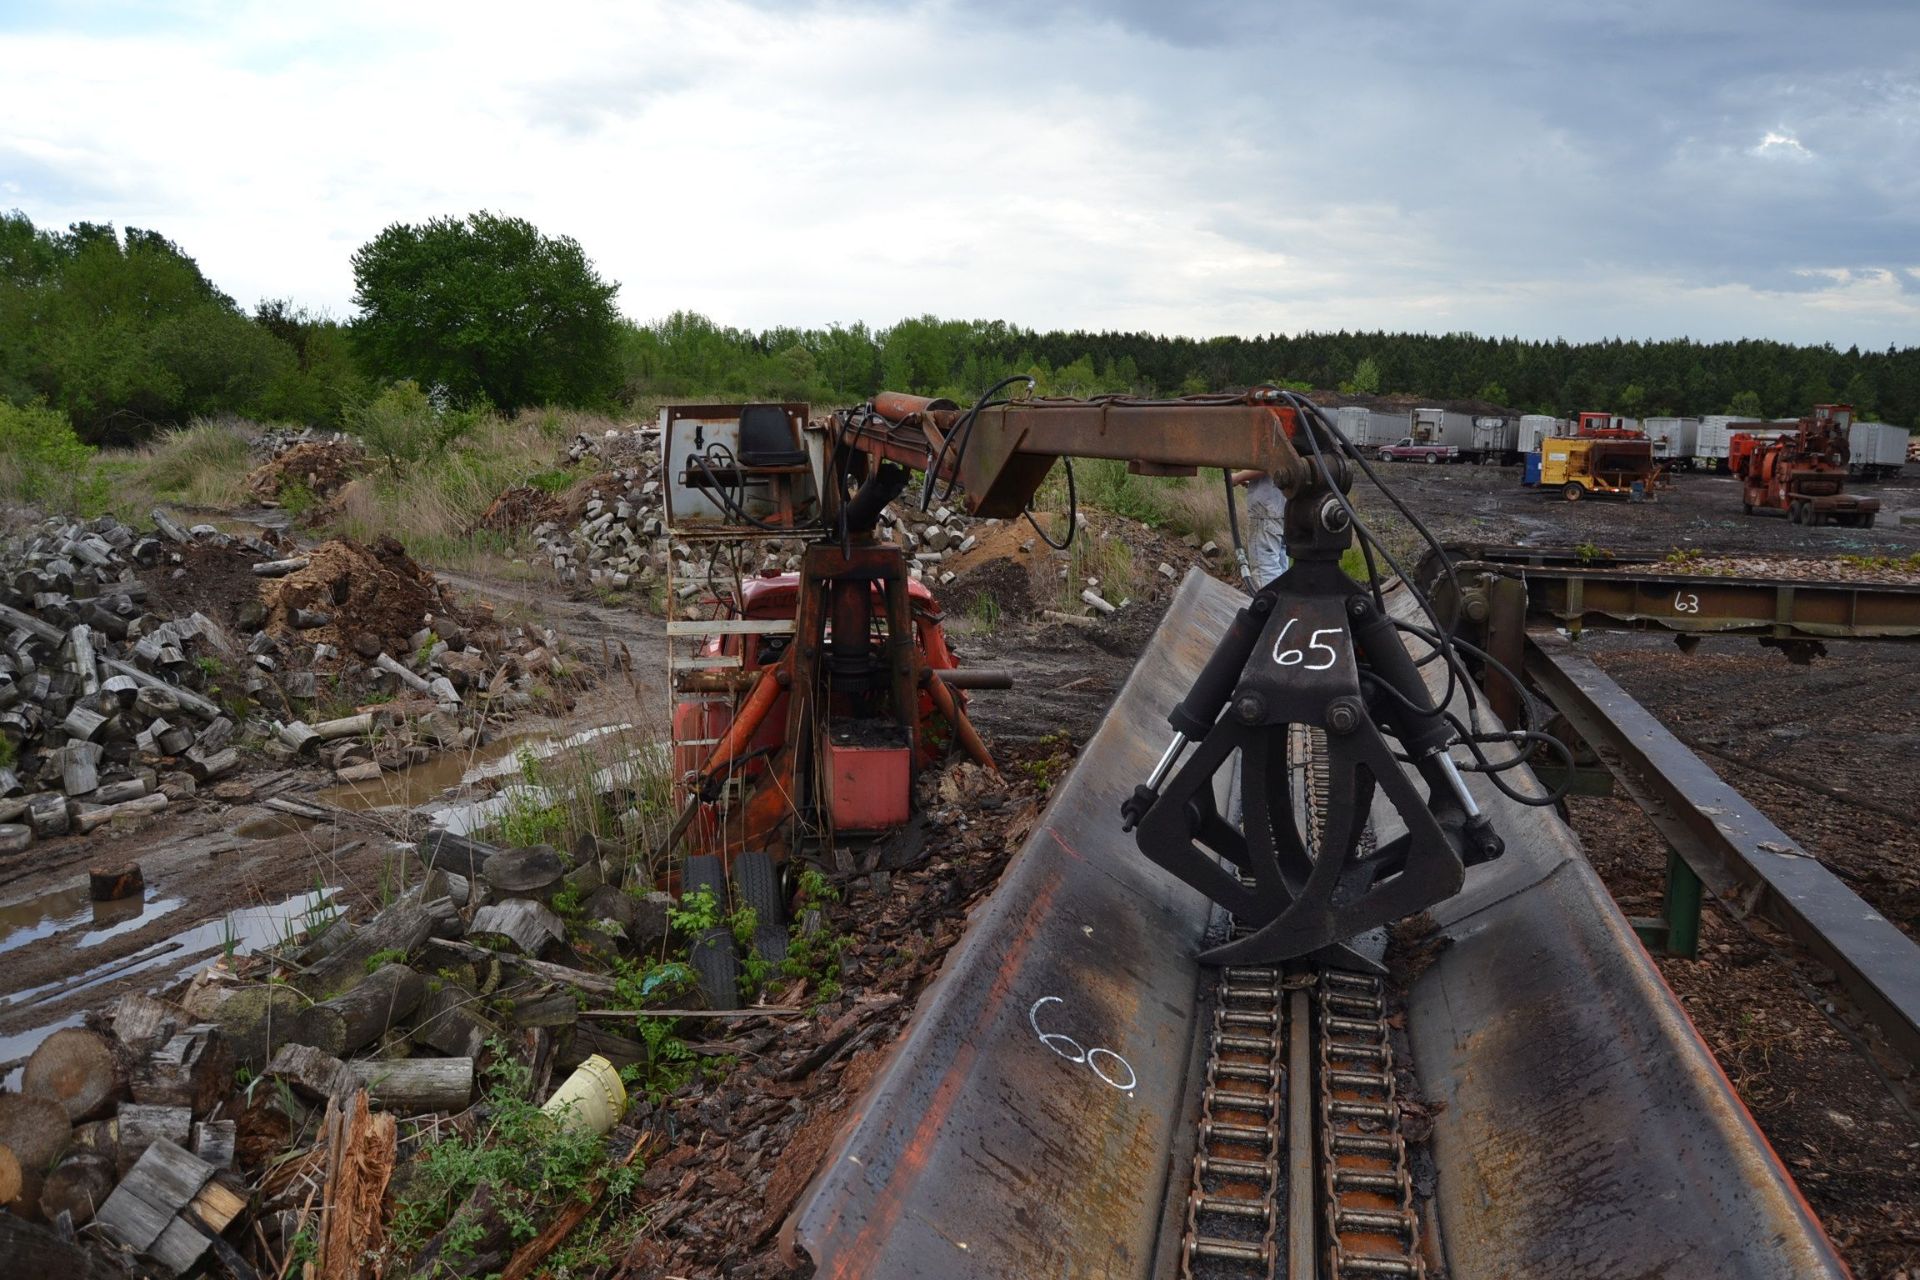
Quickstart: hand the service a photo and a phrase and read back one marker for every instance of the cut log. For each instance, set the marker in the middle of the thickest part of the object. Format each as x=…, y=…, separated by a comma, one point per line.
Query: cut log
x=197, y=1229
x=400, y=672
x=138, y=1127
x=346, y=727
x=528, y=925
x=297, y=736
x=399, y=929
x=169, y=528
x=193, y=1069
x=11, y=1179
x=450, y=1020
x=44, y=1254
x=78, y=1187
x=110, y=884
x=89, y=817
x=555, y=1012
x=360, y=1156
x=596, y=984
x=189, y=701
x=258, y=1020
x=82, y=1070
x=524, y=873
x=416, y=1086
x=587, y=1040
x=80, y=642
x=35, y=1129
x=121, y=792
x=146, y=1205
x=280, y=568
x=79, y=764
x=205, y=765
x=214, y=1141
x=47, y=815
x=311, y=1072
x=98, y=1137
x=455, y=854
x=15, y=837
x=351, y=1021
x=143, y=1022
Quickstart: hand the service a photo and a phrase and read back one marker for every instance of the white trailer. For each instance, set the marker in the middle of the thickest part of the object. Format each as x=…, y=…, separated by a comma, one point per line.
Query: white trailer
x=1674, y=439
x=1442, y=426
x=1382, y=428
x=1876, y=450
x=1716, y=428
x=1495, y=438
x=1536, y=427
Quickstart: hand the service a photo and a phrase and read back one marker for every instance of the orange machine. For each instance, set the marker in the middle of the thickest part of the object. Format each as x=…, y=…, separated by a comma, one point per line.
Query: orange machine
x=1802, y=473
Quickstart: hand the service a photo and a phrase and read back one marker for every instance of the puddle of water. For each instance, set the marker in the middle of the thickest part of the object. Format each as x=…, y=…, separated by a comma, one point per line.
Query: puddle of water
x=166, y=961
x=62, y=910
x=173, y=958
x=423, y=782
x=41, y=916
x=111, y=919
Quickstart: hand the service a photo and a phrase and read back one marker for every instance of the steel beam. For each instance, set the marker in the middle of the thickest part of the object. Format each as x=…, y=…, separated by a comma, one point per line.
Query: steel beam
x=1733, y=847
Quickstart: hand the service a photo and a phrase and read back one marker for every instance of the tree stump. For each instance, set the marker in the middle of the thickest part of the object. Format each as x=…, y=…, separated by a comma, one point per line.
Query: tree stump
x=110, y=884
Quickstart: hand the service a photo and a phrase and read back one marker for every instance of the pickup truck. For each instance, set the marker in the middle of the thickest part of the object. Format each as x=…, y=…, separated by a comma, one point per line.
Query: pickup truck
x=1410, y=450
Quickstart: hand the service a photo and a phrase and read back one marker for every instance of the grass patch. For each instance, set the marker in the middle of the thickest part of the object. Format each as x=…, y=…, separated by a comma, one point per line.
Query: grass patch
x=531, y=1164
x=204, y=464
x=1177, y=505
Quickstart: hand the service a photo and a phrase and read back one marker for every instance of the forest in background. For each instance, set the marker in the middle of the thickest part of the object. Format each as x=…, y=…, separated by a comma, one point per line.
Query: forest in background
x=121, y=334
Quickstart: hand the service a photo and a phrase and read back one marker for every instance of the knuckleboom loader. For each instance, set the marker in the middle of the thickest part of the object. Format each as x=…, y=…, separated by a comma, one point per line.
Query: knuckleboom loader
x=810, y=701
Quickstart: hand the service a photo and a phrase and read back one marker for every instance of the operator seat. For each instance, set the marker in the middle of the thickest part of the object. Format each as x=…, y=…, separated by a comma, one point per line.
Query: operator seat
x=769, y=438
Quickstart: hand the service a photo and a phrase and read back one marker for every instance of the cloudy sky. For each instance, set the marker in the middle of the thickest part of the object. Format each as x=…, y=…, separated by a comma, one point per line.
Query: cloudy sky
x=1575, y=168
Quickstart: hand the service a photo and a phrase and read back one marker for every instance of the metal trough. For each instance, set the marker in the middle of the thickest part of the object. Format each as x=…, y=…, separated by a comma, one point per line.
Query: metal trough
x=1586, y=1130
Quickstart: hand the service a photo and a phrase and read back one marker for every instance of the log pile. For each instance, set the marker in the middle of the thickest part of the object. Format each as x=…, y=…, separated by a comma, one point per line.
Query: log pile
x=621, y=540
x=113, y=711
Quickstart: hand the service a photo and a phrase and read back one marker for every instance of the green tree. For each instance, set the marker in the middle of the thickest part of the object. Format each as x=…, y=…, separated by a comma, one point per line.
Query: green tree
x=490, y=308
x=1366, y=377
x=1746, y=404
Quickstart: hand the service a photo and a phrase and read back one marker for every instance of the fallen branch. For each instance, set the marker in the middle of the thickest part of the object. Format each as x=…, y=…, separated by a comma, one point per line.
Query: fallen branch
x=531, y=1254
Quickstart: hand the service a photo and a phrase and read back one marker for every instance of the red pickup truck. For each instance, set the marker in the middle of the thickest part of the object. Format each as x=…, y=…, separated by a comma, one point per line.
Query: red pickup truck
x=1410, y=450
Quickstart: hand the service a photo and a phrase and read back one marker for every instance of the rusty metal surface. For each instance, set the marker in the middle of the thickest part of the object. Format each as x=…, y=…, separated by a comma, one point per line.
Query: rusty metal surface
x=983, y=1151
x=1584, y=1130
x=1733, y=847
x=1565, y=589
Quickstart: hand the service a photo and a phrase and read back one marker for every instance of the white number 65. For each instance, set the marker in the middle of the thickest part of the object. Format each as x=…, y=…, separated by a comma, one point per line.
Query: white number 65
x=1294, y=657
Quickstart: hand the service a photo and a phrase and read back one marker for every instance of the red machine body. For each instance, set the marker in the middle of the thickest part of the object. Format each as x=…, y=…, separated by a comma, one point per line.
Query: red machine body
x=1802, y=473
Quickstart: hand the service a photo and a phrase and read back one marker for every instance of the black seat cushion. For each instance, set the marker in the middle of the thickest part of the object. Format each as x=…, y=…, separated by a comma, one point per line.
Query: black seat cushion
x=767, y=438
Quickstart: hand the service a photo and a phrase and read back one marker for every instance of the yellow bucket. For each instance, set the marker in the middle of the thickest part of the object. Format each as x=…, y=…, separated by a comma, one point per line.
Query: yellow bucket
x=591, y=1100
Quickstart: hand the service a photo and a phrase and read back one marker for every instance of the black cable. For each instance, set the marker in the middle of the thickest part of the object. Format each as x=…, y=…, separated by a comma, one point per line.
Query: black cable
x=963, y=432
x=1233, y=526
x=733, y=507
x=1073, y=513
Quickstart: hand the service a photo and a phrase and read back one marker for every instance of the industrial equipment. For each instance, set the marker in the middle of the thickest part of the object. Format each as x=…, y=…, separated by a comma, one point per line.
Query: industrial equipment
x=1802, y=472
x=822, y=692
x=1598, y=461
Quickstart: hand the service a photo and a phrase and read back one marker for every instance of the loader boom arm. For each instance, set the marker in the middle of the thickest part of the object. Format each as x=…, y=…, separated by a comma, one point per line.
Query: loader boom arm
x=1000, y=454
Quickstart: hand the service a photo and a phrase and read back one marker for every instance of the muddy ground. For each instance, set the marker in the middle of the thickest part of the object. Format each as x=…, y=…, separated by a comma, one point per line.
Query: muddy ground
x=1823, y=749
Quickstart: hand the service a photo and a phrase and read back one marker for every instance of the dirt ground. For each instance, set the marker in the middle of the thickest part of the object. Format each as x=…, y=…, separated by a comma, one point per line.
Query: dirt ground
x=1822, y=748
x=1465, y=503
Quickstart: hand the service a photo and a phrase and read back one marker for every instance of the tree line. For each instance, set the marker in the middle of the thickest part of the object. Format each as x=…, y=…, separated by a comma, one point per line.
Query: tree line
x=122, y=333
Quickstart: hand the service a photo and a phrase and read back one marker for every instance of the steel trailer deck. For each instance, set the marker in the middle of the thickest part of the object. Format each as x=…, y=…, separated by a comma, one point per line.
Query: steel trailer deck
x=1036, y=1118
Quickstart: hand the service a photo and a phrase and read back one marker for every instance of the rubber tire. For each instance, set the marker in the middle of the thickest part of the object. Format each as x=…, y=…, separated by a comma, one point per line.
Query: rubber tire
x=712, y=955
x=1794, y=514
x=1574, y=491
x=1746, y=508
x=1866, y=521
x=1432, y=459
x=1385, y=456
x=756, y=884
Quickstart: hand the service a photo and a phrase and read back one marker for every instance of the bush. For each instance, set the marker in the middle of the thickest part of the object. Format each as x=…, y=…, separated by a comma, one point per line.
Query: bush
x=44, y=463
x=404, y=425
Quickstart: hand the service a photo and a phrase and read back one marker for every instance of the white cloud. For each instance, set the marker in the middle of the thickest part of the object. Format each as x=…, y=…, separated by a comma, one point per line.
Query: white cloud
x=807, y=164
x=1780, y=146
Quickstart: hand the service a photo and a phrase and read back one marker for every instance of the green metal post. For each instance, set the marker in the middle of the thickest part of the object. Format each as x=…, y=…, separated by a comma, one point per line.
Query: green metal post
x=1683, y=908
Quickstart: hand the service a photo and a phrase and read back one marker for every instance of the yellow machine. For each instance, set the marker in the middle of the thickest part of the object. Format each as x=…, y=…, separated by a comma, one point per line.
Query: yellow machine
x=1578, y=466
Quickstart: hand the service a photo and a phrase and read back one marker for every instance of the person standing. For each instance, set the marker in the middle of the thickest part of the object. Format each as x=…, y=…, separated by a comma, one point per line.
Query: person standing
x=1266, y=526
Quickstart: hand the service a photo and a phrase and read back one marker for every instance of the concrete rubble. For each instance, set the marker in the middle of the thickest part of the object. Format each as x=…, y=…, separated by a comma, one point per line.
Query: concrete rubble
x=111, y=710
